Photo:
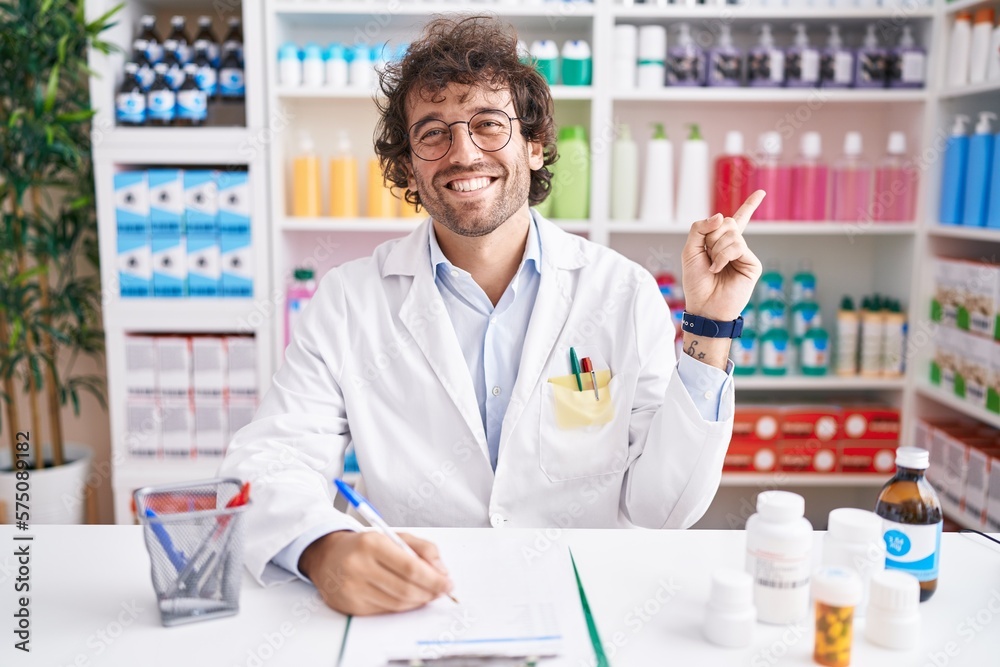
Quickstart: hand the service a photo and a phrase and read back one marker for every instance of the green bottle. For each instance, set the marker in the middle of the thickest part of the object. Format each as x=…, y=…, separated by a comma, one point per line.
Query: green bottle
x=774, y=352
x=571, y=175
x=745, y=353
x=815, y=355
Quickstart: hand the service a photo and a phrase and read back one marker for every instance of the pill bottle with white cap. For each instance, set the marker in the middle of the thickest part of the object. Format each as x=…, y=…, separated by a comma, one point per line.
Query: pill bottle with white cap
x=854, y=540
x=836, y=591
x=730, y=616
x=779, y=545
x=893, y=610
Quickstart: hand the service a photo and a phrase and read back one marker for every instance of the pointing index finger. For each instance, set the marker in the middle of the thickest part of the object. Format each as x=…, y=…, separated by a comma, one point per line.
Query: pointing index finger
x=742, y=216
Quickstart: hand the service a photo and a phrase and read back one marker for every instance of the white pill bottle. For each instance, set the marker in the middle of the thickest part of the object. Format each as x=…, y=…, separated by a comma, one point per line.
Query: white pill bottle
x=779, y=557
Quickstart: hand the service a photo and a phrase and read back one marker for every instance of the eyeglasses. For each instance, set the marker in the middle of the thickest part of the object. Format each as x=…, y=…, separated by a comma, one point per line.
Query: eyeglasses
x=489, y=130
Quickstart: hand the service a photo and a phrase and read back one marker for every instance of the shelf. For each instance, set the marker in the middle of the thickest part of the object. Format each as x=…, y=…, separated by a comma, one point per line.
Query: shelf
x=134, y=471
x=783, y=228
x=737, y=13
x=185, y=315
x=927, y=390
x=784, y=479
x=386, y=225
x=955, y=7
x=157, y=145
x=965, y=233
x=820, y=383
x=324, y=93
x=769, y=95
x=984, y=88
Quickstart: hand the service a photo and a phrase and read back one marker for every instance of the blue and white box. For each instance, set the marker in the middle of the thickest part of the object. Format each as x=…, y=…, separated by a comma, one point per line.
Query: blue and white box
x=166, y=202
x=234, y=203
x=135, y=266
x=204, y=270
x=201, y=202
x=169, y=266
x=237, y=265
x=132, y=202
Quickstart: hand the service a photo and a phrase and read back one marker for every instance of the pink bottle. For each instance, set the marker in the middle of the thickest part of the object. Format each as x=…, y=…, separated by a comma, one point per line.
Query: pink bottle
x=852, y=183
x=773, y=178
x=809, y=180
x=895, y=198
x=299, y=294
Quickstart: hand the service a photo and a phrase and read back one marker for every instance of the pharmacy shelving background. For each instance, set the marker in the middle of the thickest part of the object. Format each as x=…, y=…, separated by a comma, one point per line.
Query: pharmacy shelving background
x=853, y=258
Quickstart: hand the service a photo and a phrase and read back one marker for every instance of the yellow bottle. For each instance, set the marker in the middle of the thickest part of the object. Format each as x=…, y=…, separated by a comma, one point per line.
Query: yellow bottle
x=344, y=180
x=381, y=202
x=305, y=180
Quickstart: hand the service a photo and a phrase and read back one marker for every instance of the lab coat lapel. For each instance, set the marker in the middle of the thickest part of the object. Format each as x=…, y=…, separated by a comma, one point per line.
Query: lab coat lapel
x=425, y=317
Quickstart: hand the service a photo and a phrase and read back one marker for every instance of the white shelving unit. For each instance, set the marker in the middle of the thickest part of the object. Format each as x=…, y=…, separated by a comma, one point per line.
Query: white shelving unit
x=122, y=148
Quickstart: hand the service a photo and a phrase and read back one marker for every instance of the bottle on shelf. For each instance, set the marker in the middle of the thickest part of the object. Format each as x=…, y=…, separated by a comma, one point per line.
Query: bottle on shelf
x=912, y=520
x=577, y=65
x=977, y=173
x=804, y=283
x=161, y=99
x=745, y=353
x=685, y=64
x=232, y=87
x=906, y=66
x=872, y=334
x=144, y=68
x=956, y=161
x=344, y=179
x=852, y=183
x=360, y=67
x=658, y=178
x=725, y=61
x=809, y=180
x=305, y=179
x=312, y=66
x=624, y=176
x=300, y=293
x=546, y=56
x=233, y=40
x=773, y=177
x=815, y=352
x=805, y=317
x=336, y=66
x=848, y=324
x=734, y=176
x=960, y=46
x=993, y=63
x=206, y=77
x=766, y=62
x=175, y=66
x=870, y=67
x=381, y=202
x=979, y=48
x=836, y=68
x=571, y=175
x=895, y=197
x=289, y=65
x=651, y=67
x=626, y=56
x=147, y=31
x=192, y=102
x=205, y=39
x=993, y=208
x=771, y=285
x=894, y=342
x=130, y=102
x=801, y=61
x=178, y=33
x=693, y=191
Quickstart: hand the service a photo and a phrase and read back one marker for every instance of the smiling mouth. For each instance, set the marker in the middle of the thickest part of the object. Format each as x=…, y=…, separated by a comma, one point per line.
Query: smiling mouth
x=470, y=184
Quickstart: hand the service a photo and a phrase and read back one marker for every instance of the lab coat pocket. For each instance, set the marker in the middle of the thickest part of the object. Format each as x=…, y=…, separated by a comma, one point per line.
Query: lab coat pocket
x=581, y=435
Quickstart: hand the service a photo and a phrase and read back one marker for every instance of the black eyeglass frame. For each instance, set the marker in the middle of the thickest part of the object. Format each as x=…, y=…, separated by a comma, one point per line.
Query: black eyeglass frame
x=468, y=125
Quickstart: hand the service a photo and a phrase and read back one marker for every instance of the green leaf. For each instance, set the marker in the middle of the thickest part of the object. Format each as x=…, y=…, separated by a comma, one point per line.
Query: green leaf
x=61, y=48
x=76, y=116
x=76, y=401
x=100, y=23
x=46, y=6
x=51, y=90
x=14, y=117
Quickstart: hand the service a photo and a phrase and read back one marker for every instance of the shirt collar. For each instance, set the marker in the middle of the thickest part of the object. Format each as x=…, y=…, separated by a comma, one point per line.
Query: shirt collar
x=532, y=251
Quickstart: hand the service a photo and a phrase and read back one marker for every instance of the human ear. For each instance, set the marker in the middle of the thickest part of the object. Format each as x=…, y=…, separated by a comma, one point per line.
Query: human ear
x=536, y=155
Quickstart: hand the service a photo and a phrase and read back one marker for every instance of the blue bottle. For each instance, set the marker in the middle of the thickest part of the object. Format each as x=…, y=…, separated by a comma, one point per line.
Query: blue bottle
x=977, y=175
x=956, y=159
x=993, y=210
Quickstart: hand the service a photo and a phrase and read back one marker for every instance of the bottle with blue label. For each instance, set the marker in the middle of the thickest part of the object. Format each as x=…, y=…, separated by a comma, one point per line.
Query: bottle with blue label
x=977, y=174
x=577, y=64
x=192, y=102
x=205, y=76
x=175, y=66
x=745, y=353
x=130, y=103
x=771, y=284
x=140, y=56
x=912, y=520
x=231, y=85
x=956, y=159
x=775, y=352
x=161, y=100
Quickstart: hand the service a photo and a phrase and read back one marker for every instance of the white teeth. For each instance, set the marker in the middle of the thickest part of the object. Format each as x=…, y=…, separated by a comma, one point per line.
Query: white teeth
x=470, y=184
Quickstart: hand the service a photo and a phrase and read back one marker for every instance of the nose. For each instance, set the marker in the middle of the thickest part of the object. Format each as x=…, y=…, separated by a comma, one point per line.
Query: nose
x=463, y=149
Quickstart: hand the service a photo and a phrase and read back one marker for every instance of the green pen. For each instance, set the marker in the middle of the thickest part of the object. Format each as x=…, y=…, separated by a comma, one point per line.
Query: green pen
x=575, y=366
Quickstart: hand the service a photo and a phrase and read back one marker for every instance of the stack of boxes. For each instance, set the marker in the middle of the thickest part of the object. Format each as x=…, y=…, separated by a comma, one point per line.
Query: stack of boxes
x=814, y=439
x=965, y=469
x=966, y=308
x=183, y=233
x=188, y=396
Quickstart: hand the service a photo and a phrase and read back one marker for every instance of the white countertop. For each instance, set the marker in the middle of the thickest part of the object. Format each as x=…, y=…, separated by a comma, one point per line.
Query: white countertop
x=92, y=603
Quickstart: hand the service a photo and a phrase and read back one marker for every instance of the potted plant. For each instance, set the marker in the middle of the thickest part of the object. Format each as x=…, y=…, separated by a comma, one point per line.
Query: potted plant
x=50, y=291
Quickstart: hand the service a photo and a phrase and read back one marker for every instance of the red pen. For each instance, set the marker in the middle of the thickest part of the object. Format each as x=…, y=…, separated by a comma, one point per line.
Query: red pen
x=589, y=368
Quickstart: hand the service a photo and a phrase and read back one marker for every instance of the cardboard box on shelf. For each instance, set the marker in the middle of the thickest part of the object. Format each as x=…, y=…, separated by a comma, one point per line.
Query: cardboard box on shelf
x=977, y=482
x=204, y=266
x=169, y=258
x=972, y=367
x=142, y=428
x=201, y=202
x=993, y=390
x=166, y=202
x=980, y=298
x=947, y=290
x=993, y=495
x=173, y=367
x=208, y=366
x=132, y=204
x=241, y=380
x=140, y=366
x=177, y=428
x=807, y=455
x=210, y=428
x=135, y=266
x=753, y=447
x=937, y=473
x=746, y=456
x=819, y=422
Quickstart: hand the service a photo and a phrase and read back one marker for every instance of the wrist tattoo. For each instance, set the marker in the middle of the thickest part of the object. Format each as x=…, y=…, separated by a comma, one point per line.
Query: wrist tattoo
x=692, y=352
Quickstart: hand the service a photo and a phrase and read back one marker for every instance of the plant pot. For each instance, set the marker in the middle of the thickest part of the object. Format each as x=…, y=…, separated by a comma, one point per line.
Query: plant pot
x=55, y=495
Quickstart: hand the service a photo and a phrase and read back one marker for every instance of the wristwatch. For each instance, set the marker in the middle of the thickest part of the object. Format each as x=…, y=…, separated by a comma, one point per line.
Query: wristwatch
x=702, y=326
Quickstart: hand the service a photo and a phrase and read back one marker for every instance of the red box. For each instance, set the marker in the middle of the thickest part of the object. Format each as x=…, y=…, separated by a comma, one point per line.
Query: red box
x=811, y=422
x=756, y=423
x=870, y=422
x=810, y=455
x=873, y=456
x=744, y=456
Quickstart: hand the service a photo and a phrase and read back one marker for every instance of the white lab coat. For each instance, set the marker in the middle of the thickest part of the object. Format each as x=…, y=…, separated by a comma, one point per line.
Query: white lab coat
x=375, y=361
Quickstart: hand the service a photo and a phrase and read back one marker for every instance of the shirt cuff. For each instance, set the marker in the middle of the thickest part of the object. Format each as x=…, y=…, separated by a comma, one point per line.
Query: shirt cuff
x=706, y=385
x=288, y=558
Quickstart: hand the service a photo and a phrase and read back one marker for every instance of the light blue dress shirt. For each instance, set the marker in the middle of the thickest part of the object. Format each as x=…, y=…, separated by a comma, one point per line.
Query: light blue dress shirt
x=492, y=338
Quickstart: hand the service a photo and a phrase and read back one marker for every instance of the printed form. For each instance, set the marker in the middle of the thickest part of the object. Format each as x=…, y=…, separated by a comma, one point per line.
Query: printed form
x=514, y=600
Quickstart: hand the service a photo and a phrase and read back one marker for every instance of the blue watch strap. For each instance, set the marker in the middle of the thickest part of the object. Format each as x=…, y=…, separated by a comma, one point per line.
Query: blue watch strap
x=702, y=326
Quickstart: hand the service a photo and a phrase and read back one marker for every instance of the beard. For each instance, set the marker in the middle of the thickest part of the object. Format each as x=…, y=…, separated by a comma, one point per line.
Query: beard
x=482, y=215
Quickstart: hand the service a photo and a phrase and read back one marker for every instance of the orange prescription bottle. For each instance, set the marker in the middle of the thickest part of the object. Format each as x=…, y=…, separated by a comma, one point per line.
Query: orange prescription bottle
x=305, y=180
x=381, y=202
x=344, y=180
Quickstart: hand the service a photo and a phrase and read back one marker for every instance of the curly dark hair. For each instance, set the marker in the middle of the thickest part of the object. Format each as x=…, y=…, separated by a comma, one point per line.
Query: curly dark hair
x=467, y=50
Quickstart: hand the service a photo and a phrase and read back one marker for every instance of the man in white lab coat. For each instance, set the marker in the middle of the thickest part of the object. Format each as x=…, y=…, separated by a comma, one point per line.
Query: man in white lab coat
x=445, y=357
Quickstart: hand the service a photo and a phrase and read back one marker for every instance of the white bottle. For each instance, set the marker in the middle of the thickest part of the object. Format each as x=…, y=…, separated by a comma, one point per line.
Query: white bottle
x=651, y=68
x=624, y=176
x=289, y=66
x=872, y=340
x=993, y=66
x=336, y=67
x=982, y=32
x=779, y=547
x=729, y=614
x=847, y=339
x=693, y=191
x=312, y=66
x=658, y=179
x=626, y=56
x=960, y=44
x=360, y=69
x=854, y=541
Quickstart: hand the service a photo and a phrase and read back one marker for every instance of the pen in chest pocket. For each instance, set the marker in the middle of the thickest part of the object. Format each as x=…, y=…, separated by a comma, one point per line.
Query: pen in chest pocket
x=574, y=365
x=588, y=367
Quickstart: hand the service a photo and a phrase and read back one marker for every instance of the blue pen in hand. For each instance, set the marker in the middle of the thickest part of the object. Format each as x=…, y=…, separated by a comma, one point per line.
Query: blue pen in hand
x=177, y=558
x=374, y=519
